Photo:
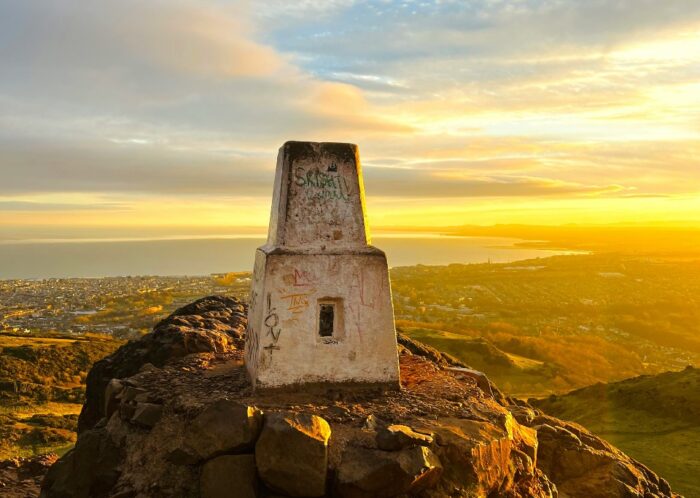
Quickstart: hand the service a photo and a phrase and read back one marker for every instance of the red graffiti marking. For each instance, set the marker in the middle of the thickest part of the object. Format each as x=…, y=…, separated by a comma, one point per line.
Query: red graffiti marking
x=297, y=302
x=302, y=278
x=366, y=297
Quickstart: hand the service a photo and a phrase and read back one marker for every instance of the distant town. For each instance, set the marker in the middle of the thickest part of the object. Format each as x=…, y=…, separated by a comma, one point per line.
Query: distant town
x=122, y=306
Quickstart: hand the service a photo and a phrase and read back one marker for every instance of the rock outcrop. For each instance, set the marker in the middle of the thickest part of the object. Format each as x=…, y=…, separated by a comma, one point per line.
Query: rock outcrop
x=173, y=414
x=212, y=324
x=584, y=465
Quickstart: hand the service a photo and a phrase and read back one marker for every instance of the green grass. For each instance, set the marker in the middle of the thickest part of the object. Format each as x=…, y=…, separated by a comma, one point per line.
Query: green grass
x=50, y=408
x=12, y=341
x=654, y=419
x=673, y=455
x=43, y=388
x=36, y=429
x=517, y=375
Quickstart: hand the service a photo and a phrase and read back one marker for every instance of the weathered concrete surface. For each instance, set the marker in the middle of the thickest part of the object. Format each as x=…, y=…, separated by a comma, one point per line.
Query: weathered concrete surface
x=318, y=200
x=318, y=255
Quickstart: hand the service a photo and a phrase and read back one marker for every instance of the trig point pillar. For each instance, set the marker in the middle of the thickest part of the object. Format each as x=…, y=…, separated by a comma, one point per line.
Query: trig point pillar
x=320, y=304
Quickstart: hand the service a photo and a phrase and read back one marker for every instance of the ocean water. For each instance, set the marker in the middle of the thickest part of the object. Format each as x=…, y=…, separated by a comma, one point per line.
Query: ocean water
x=202, y=256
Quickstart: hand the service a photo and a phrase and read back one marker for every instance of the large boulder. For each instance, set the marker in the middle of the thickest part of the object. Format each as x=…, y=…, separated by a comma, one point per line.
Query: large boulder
x=210, y=324
x=229, y=475
x=292, y=453
x=222, y=427
x=90, y=470
x=368, y=473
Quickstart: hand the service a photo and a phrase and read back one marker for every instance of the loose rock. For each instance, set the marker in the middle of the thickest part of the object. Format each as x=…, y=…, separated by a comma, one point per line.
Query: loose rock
x=366, y=473
x=398, y=437
x=223, y=427
x=292, y=453
x=147, y=414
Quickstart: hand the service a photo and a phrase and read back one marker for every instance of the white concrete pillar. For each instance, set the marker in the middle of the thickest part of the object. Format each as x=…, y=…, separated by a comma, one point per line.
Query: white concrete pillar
x=320, y=306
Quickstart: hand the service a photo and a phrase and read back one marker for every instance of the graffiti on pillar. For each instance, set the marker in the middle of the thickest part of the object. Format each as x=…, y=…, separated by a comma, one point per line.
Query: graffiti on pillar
x=252, y=345
x=252, y=340
x=365, y=286
x=298, y=302
x=299, y=278
x=322, y=185
x=272, y=321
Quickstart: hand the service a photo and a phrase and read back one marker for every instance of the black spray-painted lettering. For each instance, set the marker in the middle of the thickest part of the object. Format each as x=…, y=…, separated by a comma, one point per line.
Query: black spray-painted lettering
x=320, y=185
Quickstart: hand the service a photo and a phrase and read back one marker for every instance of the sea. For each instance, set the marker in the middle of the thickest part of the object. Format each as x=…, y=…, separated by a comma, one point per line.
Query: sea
x=66, y=258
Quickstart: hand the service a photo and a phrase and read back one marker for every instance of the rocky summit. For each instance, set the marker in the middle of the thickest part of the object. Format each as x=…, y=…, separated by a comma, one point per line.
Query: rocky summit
x=173, y=415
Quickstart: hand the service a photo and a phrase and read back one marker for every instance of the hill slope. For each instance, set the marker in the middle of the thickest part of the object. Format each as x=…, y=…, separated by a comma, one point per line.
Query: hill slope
x=515, y=374
x=653, y=418
x=42, y=389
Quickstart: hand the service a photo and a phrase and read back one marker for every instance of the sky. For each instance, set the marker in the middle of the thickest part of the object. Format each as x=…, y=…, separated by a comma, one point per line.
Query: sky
x=157, y=117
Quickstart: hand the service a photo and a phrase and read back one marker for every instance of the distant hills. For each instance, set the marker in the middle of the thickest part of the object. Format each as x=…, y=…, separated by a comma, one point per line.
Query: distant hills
x=670, y=241
x=653, y=418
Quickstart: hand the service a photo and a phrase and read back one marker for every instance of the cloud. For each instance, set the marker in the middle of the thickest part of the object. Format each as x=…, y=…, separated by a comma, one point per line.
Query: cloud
x=411, y=183
x=160, y=97
x=31, y=206
x=477, y=58
x=190, y=100
x=109, y=167
x=158, y=170
x=134, y=39
x=171, y=66
x=398, y=32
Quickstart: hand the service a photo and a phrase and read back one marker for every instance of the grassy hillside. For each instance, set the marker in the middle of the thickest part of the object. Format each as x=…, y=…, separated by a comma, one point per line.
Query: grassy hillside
x=655, y=419
x=515, y=374
x=42, y=389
